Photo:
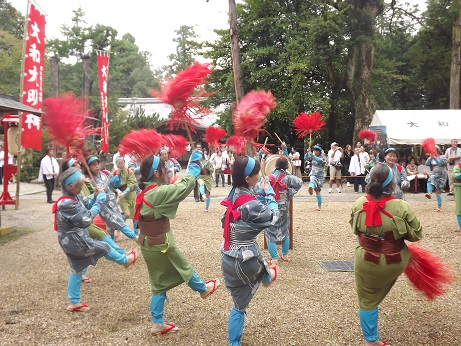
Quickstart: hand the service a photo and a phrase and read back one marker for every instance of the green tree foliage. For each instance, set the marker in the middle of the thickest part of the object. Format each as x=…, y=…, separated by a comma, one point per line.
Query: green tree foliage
x=11, y=20
x=187, y=49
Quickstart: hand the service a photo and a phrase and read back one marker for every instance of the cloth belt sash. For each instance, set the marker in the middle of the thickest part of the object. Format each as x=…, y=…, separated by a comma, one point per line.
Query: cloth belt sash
x=277, y=185
x=375, y=246
x=153, y=229
x=54, y=209
x=232, y=214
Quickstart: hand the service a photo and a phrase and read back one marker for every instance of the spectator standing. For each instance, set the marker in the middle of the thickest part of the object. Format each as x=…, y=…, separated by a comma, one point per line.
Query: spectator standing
x=218, y=164
x=334, y=160
x=357, y=170
x=348, y=153
x=49, y=170
x=296, y=160
x=453, y=155
x=423, y=174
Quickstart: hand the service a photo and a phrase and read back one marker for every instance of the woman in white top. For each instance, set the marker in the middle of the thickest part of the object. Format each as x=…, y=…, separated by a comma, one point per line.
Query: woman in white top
x=218, y=164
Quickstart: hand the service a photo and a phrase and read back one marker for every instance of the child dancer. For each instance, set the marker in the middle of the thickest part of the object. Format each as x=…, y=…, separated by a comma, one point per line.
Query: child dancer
x=126, y=194
x=438, y=177
x=317, y=173
x=243, y=265
x=167, y=266
x=285, y=186
x=205, y=183
x=109, y=211
x=73, y=214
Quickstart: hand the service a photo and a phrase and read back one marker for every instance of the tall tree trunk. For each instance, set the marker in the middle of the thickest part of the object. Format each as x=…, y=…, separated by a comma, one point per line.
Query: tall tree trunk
x=86, y=76
x=455, y=56
x=235, y=51
x=54, y=75
x=360, y=62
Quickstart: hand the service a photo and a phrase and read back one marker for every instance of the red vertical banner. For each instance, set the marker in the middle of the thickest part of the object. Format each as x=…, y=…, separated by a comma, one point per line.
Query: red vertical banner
x=32, y=92
x=103, y=74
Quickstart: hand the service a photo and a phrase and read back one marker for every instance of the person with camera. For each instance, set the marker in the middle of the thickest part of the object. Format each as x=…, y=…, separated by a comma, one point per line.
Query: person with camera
x=453, y=155
x=334, y=161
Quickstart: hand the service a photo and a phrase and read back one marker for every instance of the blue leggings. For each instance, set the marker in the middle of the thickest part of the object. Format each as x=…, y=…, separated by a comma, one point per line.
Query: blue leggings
x=157, y=302
x=458, y=217
x=369, y=323
x=272, y=247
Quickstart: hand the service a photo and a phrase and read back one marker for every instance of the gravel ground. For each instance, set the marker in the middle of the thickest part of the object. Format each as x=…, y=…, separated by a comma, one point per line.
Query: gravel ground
x=305, y=306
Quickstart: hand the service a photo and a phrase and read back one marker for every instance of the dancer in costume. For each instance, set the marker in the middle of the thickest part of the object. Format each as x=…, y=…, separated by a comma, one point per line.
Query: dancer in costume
x=155, y=206
x=205, y=183
x=125, y=190
x=243, y=265
x=171, y=164
x=438, y=177
x=382, y=224
x=400, y=175
x=94, y=231
x=317, y=173
x=457, y=192
x=285, y=186
x=73, y=214
x=110, y=213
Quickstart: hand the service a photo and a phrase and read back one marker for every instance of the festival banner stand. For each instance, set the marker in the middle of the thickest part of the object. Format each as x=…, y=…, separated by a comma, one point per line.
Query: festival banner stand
x=103, y=76
x=32, y=82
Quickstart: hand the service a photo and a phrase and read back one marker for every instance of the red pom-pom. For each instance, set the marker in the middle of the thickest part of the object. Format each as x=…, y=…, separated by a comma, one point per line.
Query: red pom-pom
x=305, y=124
x=427, y=273
x=239, y=143
x=141, y=143
x=369, y=135
x=178, y=92
x=213, y=135
x=176, y=144
x=250, y=114
x=428, y=145
x=66, y=120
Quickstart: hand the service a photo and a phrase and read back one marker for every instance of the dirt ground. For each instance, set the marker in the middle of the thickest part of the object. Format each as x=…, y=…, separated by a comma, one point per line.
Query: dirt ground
x=305, y=306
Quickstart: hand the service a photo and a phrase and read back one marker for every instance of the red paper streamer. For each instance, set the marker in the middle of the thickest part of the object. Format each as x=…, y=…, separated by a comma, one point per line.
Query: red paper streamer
x=239, y=143
x=306, y=124
x=213, y=135
x=178, y=92
x=369, y=135
x=66, y=120
x=427, y=273
x=176, y=144
x=141, y=143
x=428, y=145
x=251, y=114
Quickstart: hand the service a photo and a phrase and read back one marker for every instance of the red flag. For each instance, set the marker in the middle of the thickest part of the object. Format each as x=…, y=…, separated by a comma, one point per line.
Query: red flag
x=103, y=74
x=32, y=94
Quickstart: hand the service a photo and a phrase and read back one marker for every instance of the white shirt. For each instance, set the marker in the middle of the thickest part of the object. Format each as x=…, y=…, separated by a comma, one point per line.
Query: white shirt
x=356, y=167
x=423, y=169
x=10, y=159
x=217, y=162
x=364, y=156
x=2, y=158
x=335, y=158
x=452, y=152
x=47, y=165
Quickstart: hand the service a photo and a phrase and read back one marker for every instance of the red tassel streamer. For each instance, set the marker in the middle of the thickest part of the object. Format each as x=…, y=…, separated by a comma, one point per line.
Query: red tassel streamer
x=306, y=124
x=178, y=92
x=369, y=135
x=251, y=113
x=141, y=143
x=176, y=144
x=239, y=143
x=66, y=120
x=428, y=145
x=427, y=273
x=213, y=135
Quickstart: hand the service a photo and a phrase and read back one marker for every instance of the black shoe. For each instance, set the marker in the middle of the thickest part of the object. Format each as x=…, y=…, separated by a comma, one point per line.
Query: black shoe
x=51, y=201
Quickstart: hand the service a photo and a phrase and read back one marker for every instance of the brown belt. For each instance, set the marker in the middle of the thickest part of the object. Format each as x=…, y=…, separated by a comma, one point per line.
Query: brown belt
x=153, y=229
x=375, y=246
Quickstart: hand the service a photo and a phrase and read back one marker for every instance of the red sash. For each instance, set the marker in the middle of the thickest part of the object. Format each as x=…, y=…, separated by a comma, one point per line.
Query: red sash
x=232, y=211
x=54, y=209
x=277, y=184
x=140, y=200
x=374, y=210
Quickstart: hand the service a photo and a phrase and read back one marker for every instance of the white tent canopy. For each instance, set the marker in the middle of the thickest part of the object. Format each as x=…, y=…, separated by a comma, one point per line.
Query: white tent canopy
x=414, y=126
